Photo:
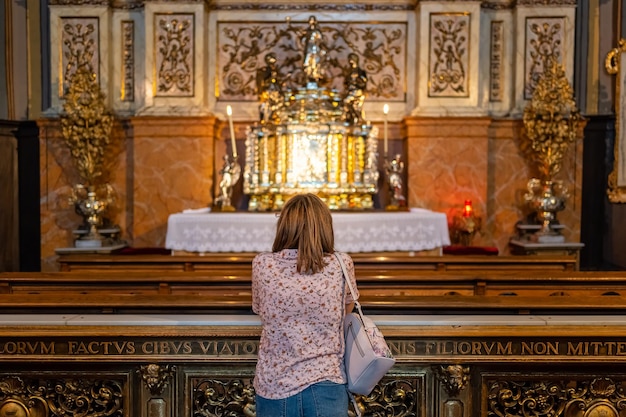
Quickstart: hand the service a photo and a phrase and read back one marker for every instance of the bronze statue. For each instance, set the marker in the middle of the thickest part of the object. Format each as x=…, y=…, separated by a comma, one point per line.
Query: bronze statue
x=355, y=83
x=269, y=88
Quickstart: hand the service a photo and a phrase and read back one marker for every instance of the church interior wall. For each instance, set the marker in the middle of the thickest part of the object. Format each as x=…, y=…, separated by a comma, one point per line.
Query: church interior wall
x=459, y=141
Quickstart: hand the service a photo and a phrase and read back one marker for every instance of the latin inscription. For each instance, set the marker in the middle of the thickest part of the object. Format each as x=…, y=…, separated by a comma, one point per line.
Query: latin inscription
x=249, y=348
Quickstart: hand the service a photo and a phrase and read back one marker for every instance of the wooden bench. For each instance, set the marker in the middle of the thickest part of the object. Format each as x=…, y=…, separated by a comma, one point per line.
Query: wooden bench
x=363, y=261
x=385, y=290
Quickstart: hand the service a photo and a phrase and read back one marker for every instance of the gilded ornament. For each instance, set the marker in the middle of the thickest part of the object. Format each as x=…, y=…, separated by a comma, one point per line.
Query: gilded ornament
x=86, y=125
x=551, y=123
x=551, y=120
x=310, y=137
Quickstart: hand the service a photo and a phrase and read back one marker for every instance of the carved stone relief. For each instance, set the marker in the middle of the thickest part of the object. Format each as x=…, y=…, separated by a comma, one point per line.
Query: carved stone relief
x=544, y=39
x=79, y=47
x=127, y=92
x=381, y=48
x=449, y=55
x=496, y=82
x=174, y=54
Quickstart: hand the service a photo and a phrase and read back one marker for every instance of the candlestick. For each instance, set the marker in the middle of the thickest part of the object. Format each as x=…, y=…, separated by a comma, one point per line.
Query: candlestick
x=386, y=110
x=229, y=111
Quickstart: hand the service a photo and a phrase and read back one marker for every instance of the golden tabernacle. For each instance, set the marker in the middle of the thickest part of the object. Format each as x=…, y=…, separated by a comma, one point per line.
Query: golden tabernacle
x=311, y=138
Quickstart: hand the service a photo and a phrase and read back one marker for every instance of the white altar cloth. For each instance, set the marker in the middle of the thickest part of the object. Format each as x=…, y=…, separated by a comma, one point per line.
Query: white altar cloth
x=411, y=231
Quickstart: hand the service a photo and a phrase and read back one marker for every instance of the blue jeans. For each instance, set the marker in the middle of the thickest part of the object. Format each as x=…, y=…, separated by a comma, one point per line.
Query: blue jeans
x=324, y=399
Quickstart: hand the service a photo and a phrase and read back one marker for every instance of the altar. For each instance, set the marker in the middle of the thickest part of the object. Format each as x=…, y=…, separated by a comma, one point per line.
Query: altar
x=204, y=231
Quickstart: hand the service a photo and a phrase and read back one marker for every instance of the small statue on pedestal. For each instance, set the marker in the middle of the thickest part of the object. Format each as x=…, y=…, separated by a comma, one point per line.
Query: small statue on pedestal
x=231, y=171
x=269, y=89
x=314, y=54
x=394, y=171
x=355, y=83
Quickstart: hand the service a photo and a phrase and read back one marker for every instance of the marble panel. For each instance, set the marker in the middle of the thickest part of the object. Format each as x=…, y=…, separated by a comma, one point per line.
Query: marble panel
x=463, y=51
x=496, y=61
x=447, y=164
x=541, y=31
x=173, y=169
x=78, y=36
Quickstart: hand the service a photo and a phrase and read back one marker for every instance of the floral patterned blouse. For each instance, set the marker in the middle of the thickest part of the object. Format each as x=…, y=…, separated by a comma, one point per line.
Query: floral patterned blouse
x=302, y=316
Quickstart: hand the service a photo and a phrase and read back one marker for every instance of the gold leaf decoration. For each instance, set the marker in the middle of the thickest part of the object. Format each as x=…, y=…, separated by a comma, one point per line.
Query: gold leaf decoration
x=86, y=125
x=551, y=120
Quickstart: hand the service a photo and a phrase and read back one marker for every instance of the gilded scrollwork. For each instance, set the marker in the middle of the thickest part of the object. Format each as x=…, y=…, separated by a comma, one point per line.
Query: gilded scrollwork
x=381, y=49
x=60, y=397
x=544, y=43
x=615, y=64
x=174, y=50
x=454, y=378
x=156, y=377
x=449, y=55
x=595, y=397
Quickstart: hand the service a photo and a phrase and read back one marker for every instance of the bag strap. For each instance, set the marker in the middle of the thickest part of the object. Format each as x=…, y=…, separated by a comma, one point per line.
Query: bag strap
x=345, y=276
x=358, y=306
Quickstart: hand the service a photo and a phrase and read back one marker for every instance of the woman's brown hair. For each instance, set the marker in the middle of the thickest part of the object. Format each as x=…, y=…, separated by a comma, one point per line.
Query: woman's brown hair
x=305, y=223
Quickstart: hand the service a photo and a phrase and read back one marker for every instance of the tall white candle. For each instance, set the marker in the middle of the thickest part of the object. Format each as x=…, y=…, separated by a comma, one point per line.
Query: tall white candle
x=386, y=111
x=229, y=111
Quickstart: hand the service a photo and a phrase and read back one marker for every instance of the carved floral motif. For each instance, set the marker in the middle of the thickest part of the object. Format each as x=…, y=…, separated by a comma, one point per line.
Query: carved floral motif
x=449, y=55
x=544, y=41
x=61, y=397
x=600, y=397
x=174, y=50
x=381, y=49
x=79, y=48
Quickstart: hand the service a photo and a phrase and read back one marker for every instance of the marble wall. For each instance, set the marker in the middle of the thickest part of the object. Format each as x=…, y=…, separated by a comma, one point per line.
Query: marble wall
x=456, y=75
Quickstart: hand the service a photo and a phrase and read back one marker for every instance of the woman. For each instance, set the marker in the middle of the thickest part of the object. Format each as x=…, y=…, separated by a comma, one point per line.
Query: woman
x=299, y=292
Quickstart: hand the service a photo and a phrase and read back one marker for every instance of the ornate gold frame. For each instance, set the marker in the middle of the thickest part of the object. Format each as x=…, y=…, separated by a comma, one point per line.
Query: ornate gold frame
x=615, y=63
